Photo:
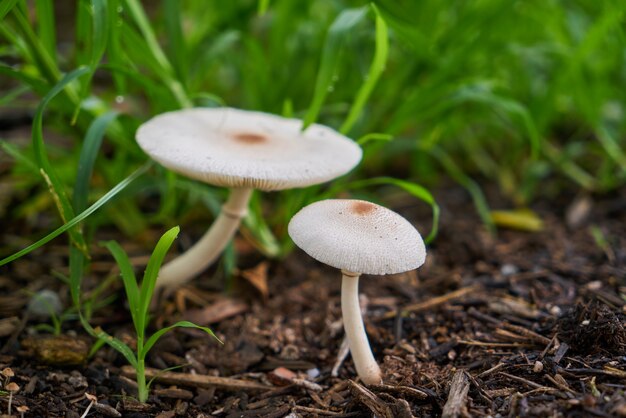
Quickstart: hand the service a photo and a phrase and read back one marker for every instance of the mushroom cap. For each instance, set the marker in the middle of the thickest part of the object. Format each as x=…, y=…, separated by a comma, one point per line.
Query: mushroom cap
x=238, y=148
x=357, y=236
x=12, y=387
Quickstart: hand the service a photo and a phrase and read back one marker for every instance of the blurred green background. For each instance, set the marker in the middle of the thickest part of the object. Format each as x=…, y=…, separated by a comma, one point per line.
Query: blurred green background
x=526, y=95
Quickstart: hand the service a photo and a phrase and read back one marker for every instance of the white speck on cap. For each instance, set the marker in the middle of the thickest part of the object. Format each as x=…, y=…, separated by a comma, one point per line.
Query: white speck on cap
x=358, y=236
x=238, y=148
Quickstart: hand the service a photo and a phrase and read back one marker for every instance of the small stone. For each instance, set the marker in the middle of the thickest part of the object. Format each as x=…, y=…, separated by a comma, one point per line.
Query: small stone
x=508, y=269
x=538, y=367
x=313, y=373
x=45, y=304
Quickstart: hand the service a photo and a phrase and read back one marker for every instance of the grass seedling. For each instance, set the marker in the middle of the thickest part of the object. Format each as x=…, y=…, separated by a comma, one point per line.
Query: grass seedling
x=139, y=298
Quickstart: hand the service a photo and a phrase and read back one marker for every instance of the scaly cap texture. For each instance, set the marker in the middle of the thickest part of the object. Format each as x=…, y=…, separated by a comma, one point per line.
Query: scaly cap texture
x=357, y=236
x=238, y=148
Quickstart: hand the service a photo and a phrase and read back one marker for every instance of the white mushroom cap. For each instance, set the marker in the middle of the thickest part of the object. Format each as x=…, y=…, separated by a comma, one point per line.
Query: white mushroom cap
x=237, y=148
x=357, y=236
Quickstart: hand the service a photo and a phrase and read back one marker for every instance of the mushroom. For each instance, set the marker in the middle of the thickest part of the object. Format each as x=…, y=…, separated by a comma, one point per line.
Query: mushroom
x=11, y=387
x=242, y=150
x=358, y=237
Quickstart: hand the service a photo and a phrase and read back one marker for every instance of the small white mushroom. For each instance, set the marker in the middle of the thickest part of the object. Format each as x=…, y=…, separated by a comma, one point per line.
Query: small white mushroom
x=357, y=237
x=242, y=150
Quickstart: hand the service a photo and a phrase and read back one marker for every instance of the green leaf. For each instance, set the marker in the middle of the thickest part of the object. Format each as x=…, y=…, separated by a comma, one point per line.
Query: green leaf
x=453, y=170
x=79, y=218
x=46, y=26
x=176, y=42
x=100, y=28
x=373, y=137
x=376, y=69
x=335, y=41
x=152, y=272
x=181, y=324
x=412, y=188
x=118, y=345
x=130, y=281
x=87, y=159
x=5, y=7
x=263, y=6
x=57, y=188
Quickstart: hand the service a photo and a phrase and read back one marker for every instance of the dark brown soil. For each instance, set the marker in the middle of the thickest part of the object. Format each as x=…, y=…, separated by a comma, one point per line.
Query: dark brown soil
x=531, y=324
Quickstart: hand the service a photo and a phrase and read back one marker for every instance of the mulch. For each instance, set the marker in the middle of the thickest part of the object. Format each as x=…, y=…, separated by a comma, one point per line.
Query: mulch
x=518, y=324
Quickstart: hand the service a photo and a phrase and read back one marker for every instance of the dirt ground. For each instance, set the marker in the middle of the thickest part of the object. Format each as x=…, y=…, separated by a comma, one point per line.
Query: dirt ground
x=518, y=324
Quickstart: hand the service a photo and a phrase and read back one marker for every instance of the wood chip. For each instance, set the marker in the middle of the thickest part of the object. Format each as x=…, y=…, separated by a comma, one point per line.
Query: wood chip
x=216, y=312
x=456, y=405
x=194, y=380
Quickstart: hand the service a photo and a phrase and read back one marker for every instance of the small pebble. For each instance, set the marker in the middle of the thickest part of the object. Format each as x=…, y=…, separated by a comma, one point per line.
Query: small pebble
x=45, y=303
x=508, y=269
x=313, y=373
x=538, y=367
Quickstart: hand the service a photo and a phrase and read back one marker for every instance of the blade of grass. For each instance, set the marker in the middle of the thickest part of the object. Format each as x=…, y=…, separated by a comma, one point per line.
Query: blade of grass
x=181, y=324
x=87, y=159
x=129, y=279
x=331, y=55
x=141, y=20
x=176, y=42
x=80, y=217
x=150, y=276
x=5, y=7
x=46, y=27
x=56, y=186
x=457, y=174
x=376, y=69
x=263, y=5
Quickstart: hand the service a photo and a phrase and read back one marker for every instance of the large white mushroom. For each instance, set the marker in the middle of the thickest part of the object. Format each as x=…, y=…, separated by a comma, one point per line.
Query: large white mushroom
x=358, y=237
x=242, y=150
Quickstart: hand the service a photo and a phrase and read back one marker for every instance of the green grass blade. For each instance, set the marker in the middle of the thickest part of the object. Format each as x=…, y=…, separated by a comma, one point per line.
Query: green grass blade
x=130, y=281
x=79, y=218
x=176, y=42
x=46, y=26
x=77, y=264
x=181, y=324
x=376, y=69
x=457, y=174
x=263, y=6
x=118, y=345
x=167, y=73
x=413, y=189
x=100, y=28
x=152, y=270
x=56, y=186
x=37, y=84
x=42, y=59
x=333, y=47
x=374, y=136
x=5, y=7
x=87, y=159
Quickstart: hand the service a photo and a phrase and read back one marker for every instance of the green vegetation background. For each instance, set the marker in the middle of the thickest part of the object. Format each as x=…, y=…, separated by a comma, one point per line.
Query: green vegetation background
x=528, y=95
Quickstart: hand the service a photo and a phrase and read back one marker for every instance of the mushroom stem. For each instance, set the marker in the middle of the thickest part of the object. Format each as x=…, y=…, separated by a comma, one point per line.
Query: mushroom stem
x=204, y=252
x=364, y=361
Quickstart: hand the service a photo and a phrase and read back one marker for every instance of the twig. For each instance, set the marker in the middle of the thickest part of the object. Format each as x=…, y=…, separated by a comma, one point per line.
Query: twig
x=457, y=397
x=431, y=303
x=195, y=380
x=370, y=400
x=524, y=381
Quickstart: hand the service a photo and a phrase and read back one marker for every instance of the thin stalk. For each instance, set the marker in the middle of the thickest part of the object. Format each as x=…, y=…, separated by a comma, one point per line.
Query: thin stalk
x=204, y=252
x=364, y=362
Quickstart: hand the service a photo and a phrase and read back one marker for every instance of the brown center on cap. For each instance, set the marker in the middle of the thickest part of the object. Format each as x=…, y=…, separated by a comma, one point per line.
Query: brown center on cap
x=362, y=208
x=249, y=138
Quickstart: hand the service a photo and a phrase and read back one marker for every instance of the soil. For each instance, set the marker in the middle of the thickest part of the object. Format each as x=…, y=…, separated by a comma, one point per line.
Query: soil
x=518, y=324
